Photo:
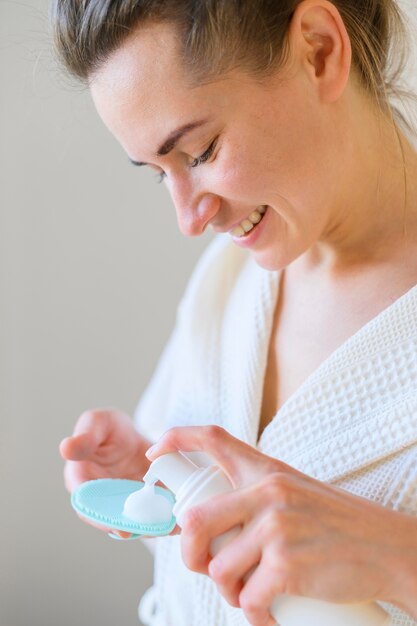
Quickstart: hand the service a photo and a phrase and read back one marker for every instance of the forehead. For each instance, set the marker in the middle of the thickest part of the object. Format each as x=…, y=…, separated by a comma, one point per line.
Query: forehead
x=143, y=92
x=143, y=86
x=139, y=73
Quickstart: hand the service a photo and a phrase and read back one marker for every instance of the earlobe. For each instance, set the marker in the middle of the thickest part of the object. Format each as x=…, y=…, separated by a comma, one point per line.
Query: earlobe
x=324, y=46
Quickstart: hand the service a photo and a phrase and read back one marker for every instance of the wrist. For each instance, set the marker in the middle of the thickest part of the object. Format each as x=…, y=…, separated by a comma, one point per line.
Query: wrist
x=400, y=564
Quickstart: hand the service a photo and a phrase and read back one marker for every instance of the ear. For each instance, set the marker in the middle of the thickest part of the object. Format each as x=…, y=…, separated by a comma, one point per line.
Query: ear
x=321, y=43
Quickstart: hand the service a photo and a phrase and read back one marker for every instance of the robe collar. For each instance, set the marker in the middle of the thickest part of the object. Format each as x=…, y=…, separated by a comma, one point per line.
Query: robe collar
x=357, y=407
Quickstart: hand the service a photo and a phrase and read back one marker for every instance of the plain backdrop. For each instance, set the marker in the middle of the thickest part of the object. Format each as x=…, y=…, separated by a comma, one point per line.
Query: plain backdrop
x=92, y=266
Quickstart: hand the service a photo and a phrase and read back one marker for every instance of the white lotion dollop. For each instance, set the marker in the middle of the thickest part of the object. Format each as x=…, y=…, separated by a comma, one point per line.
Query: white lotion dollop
x=146, y=506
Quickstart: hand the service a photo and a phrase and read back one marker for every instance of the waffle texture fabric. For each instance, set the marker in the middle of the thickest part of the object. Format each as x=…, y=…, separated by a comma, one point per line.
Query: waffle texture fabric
x=352, y=423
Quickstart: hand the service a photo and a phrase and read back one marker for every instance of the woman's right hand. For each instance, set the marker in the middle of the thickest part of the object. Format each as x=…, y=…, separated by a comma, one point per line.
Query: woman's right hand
x=104, y=444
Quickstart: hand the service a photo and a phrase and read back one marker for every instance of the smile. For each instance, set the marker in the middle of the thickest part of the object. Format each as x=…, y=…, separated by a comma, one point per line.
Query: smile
x=249, y=223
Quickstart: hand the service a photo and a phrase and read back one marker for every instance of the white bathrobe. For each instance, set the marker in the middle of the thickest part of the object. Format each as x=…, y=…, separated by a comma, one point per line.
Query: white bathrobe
x=352, y=423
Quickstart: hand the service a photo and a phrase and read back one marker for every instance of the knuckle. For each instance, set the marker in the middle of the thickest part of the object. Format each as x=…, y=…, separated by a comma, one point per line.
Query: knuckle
x=229, y=589
x=249, y=605
x=171, y=435
x=193, y=521
x=255, y=612
x=233, y=599
x=219, y=572
x=214, y=433
x=221, y=578
x=276, y=488
x=188, y=557
x=273, y=526
x=194, y=555
x=278, y=561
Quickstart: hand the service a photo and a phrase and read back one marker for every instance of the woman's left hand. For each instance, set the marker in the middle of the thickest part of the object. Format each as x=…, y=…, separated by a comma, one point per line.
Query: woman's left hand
x=299, y=536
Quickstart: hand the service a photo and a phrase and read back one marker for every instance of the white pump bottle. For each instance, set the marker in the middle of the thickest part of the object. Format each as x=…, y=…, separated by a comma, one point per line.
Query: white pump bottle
x=192, y=485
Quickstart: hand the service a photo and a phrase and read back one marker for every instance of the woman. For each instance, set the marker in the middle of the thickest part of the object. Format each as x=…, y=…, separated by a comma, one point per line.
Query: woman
x=293, y=363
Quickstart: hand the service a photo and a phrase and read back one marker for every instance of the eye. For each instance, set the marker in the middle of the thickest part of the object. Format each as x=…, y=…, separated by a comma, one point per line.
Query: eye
x=205, y=156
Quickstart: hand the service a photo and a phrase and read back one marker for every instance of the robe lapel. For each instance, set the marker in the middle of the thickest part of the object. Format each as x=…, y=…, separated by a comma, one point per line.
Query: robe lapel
x=245, y=340
x=359, y=406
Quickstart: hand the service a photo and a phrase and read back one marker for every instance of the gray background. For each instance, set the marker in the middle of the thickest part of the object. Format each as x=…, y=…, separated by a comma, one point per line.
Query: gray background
x=92, y=267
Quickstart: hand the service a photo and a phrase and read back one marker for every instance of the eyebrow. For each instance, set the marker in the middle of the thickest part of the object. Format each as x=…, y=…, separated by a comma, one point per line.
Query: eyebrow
x=173, y=138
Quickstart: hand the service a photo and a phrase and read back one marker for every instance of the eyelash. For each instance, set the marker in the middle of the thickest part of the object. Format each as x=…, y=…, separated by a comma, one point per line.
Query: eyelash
x=160, y=177
x=205, y=156
x=195, y=162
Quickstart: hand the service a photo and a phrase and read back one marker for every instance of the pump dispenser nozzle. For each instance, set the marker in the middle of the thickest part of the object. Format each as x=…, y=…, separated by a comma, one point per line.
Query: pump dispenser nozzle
x=173, y=469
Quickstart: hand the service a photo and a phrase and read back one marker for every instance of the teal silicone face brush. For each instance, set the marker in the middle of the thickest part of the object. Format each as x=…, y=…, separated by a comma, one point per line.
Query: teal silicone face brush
x=114, y=503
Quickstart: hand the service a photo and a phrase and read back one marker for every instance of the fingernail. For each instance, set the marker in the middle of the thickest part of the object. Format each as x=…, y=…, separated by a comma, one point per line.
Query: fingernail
x=113, y=536
x=150, y=451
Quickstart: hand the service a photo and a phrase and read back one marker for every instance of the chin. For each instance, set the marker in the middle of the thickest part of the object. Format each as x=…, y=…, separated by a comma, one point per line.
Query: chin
x=271, y=260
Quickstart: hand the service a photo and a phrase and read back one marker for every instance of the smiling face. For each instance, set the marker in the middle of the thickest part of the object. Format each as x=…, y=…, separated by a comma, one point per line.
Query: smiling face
x=243, y=145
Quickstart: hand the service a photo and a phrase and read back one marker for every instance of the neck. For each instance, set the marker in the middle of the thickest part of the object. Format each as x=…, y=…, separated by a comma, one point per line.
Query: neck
x=375, y=218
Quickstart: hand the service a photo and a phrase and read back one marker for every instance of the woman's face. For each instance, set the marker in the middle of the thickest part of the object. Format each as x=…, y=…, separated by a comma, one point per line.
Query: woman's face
x=245, y=145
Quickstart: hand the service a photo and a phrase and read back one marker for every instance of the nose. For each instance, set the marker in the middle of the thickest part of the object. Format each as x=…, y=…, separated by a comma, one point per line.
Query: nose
x=195, y=213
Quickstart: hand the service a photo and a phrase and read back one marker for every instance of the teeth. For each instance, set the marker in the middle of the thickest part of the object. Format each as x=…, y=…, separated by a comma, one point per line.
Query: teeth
x=255, y=217
x=237, y=232
x=248, y=223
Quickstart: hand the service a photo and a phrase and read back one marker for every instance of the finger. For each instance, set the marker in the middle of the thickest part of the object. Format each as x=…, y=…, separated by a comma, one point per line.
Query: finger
x=261, y=588
x=74, y=475
x=91, y=429
x=95, y=420
x=78, y=447
x=230, y=568
x=241, y=462
x=211, y=519
x=122, y=534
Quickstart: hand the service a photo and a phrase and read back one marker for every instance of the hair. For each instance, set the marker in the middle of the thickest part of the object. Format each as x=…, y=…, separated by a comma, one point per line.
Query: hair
x=216, y=36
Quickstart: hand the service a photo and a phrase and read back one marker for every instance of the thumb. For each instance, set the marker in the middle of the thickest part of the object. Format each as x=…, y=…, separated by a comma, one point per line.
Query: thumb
x=78, y=447
x=242, y=463
x=91, y=430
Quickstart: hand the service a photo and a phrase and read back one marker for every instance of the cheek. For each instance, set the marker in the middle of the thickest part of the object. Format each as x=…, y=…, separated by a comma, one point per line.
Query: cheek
x=267, y=163
x=287, y=162
x=312, y=153
x=242, y=176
